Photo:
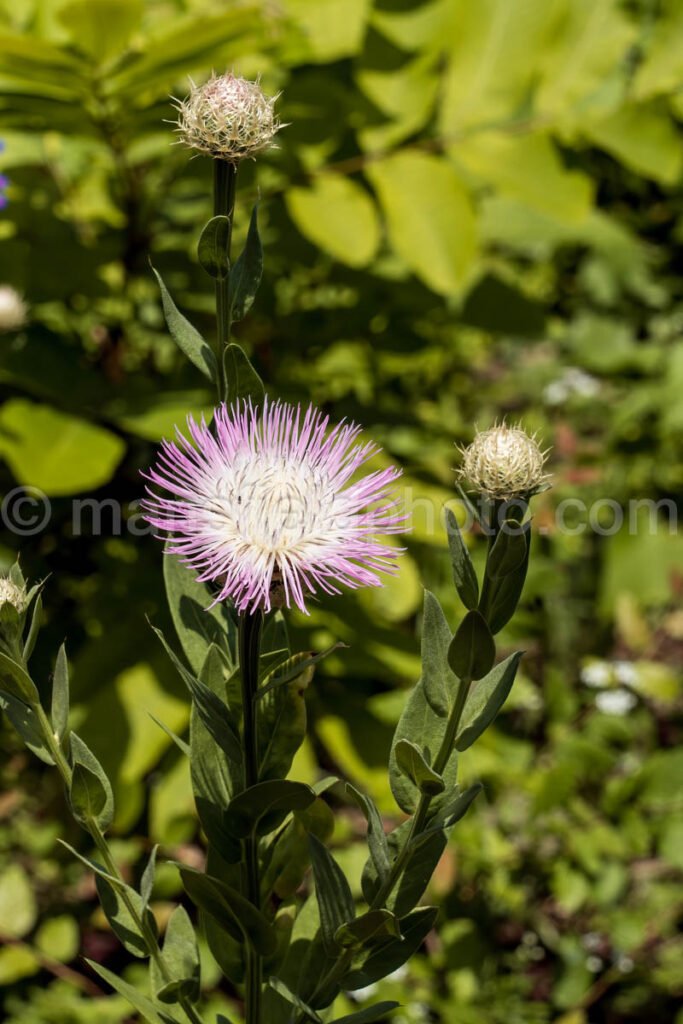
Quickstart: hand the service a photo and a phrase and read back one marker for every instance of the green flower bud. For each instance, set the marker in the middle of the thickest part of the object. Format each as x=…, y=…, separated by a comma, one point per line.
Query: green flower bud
x=504, y=464
x=228, y=118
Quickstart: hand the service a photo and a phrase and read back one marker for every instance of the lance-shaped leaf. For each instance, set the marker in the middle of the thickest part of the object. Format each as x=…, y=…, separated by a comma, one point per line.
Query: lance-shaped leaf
x=116, y=902
x=378, y=1012
x=92, y=865
x=509, y=550
x=34, y=628
x=27, y=725
x=485, y=700
x=505, y=593
x=181, y=957
x=290, y=997
x=464, y=576
x=420, y=724
x=141, y=1003
x=335, y=901
x=377, y=840
x=234, y=913
x=90, y=795
x=263, y=807
x=213, y=712
x=369, y=927
x=197, y=625
x=147, y=880
x=411, y=761
x=15, y=681
x=213, y=247
x=281, y=725
x=242, y=381
x=472, y=650
x=247, y=271
x=180, y=743
x=393, y=954
x=425, y=853
x=60, y=695
x=293, y=667
x=440, y=685
x=187, y=338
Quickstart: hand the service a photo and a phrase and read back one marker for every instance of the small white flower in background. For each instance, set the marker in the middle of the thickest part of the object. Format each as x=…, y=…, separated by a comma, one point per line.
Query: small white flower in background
x=10, y=593
x=13, y=309
x=504, y=463
x=228, y=118
x=615, y=702
x=597, y=674
x=626, y=673
x=573, y=382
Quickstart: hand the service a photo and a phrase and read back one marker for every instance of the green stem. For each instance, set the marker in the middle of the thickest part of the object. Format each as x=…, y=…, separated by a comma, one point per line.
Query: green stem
x=99, y=839
x=339, y=968
x=249, y=652
x=224, y=184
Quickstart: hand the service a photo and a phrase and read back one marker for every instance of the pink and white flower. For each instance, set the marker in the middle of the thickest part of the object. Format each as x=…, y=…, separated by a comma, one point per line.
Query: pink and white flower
x=266, y=499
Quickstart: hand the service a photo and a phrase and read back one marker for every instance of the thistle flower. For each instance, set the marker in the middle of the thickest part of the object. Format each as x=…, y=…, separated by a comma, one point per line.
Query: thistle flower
x=229, y=118
x=264, y=501
x=13, y=309
x=504, y=463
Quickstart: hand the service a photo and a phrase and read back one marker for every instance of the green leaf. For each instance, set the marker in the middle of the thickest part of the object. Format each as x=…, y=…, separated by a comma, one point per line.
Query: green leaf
x=458, y=807
x=504, y=595
x=213, y=248
x=430, y=217
x=187, y=338
x=141, y=1003
x=464, y=576
x=370, y=1014
x=281, y=725
x=60, y=695
x=213, y=712
x=392, y=954
x=27, y=725
x=261, y=808
x=197, y=625
x=242, y=381
x=16, y=682
x=34, y=628
x=230, y=909
x=472, y=650
x=90, y=796
x=335, y=901
x=508, y=552
x=181, y=957
x=338, y=216
x=424, y=854
x=147, y=880
x=115, y=900
x=283, y=990
x=292, y=668
x=422, y=726
x=410, y=760
x=55, y=452
x=440, y=685
x=92, y=865
x=247, y=271
x=377, y=840
x=101, y=29
x=372, y=926
x=180, y=743
x=485, y=700
x=18, y=908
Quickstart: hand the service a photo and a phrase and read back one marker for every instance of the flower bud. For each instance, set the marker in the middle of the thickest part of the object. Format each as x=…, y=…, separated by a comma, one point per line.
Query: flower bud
x=12, y=309
x=11, y=594
x=504, y=463
x=229, y=118
x=13, y=605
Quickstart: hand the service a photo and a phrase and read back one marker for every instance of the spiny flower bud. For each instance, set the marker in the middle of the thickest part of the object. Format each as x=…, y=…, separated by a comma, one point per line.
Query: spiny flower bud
x=229, y=118
x=12, y=309
x=10, y=593
x=504, y=463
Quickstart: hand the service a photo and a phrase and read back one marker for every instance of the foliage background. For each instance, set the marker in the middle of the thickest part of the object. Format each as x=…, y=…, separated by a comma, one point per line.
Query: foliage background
x=475, y=211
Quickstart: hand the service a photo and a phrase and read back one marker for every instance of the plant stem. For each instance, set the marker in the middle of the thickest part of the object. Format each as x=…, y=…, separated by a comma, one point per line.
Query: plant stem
x=224, y=184
x=338, y=969
x=99, y=839
x=249, y=652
